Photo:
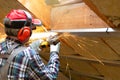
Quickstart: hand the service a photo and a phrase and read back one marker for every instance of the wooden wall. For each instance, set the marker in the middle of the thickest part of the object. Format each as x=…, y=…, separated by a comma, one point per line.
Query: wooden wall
x=75, y=16
x=108, y=8
x=84, y=58
x=81, y=58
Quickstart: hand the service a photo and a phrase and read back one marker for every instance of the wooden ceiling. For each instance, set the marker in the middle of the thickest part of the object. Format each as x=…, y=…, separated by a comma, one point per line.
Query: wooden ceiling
x=82, y=58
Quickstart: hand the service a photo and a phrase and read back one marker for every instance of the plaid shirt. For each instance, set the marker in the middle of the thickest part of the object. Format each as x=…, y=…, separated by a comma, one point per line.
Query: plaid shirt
x=27, y=65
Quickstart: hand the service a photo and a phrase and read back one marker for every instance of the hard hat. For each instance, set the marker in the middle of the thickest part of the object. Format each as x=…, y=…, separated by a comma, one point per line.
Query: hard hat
x=19, y=18
x=19, y=23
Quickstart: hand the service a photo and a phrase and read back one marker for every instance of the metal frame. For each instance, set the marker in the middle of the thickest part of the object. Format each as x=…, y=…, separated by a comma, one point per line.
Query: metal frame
x=92, y=32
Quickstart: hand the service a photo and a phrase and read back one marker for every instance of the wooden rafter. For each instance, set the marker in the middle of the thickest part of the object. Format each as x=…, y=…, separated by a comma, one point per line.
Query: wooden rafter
x=94, y=8
x=106, y=62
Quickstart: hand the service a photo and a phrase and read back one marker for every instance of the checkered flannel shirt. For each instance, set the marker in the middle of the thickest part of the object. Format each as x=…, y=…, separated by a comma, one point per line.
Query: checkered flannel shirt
x=27, y=65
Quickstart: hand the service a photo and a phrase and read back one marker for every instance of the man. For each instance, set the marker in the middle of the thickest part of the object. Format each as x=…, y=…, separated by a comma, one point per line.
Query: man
x=27, y=64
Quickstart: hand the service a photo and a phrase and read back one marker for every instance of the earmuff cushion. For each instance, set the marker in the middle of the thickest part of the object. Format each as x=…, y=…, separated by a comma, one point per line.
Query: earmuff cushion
x=24, y=33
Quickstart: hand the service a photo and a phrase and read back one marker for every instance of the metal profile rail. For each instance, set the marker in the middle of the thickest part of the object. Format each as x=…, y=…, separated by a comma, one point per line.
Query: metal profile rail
x=92, y=32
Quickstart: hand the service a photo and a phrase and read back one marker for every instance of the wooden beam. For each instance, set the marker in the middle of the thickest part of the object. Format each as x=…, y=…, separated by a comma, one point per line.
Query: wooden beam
x=106, y=62
x=100, y=14
x=84, y=75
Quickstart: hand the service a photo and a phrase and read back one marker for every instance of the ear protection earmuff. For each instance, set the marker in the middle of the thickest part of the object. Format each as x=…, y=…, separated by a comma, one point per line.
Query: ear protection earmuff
x=25, y=32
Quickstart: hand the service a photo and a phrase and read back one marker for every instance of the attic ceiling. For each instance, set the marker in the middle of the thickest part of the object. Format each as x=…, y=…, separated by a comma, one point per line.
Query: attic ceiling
x=82, y=57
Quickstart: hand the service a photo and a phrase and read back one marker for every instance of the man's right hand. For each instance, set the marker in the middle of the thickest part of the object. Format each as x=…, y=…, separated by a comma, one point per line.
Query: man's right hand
x=55, y=48
x=53, y=40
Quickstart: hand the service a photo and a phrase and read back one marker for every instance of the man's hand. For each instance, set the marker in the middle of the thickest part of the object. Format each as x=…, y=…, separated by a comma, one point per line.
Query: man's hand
x=53, y=40
x=54, y=43
x=36, y=45
x=55, y=48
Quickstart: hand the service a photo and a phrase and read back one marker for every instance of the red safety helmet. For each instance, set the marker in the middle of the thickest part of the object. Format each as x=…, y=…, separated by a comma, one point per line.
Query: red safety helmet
x=22, y=20
x=18, y=17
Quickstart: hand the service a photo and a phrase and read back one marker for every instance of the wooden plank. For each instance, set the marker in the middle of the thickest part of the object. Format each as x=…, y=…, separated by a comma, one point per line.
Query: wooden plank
x=88, y=66
x=109, y=8
x=113, y=43
x=109, y=72
x=61, y=76
x=81, y=76
x=74, y=64
x=75, y=16
x=77, y=66
x=104, y=62
x=90, y=47
x=80, y=66
x=100, y=14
